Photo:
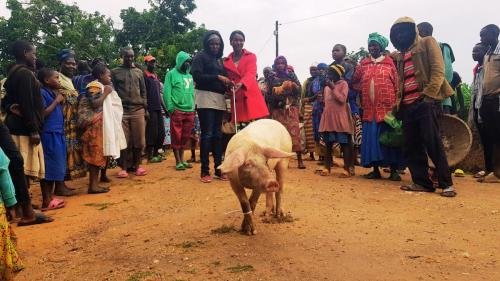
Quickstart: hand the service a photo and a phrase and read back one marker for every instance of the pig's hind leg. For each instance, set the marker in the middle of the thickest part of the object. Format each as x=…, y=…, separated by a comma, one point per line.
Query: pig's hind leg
x=247, y=226
x=280, y=170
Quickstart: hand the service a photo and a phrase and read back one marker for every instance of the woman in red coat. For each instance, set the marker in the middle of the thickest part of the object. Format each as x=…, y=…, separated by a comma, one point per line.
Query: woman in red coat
x=241, y=67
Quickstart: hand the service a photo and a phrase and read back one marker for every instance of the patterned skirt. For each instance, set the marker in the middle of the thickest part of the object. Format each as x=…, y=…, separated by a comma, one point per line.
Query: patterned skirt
x=92, y=142
x=308, y=127
x=10, y=261
x=75, y=167
x=290, y=119
x=358, y=129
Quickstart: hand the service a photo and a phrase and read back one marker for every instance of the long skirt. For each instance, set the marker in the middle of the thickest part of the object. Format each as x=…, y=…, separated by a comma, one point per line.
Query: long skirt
x=290, y=119
x=75, y=165
x=308, y=127
x=375, y=154
x=10, y=262
x=92, y=142
x=34, y=164
x=54, y=154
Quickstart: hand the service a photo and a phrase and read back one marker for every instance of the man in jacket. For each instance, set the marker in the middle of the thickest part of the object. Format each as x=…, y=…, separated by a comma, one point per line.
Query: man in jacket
x=422, y=87
x=128, y=81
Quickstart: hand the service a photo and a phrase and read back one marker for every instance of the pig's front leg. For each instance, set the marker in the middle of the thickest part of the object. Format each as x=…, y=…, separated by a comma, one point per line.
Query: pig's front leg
x=254, y=198
x=247, y=226
x=268, y=213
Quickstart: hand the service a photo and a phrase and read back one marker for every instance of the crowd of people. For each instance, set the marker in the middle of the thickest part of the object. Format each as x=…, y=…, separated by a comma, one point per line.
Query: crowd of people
x=380, y=113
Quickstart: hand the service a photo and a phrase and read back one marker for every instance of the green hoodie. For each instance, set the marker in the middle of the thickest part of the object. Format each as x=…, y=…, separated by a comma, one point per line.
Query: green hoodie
x=178, y=89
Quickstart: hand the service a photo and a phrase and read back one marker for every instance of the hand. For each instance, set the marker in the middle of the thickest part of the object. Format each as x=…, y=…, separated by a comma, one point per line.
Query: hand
x=16, y=109
x=225, y=80
x=146, y=115
x=35, y=139
x=287, y=85
x=237, y=87
x=59, y=98
x=278, y=90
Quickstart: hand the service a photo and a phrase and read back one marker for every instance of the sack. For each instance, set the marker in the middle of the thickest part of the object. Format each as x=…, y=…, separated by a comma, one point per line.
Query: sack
x=392, y=138
x=228, y=128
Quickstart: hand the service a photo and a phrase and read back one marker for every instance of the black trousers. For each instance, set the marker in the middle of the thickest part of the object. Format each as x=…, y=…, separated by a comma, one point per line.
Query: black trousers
x=16, y=165
x=422, y=138
x=486, y=143
x=155, y=131
x=490, y=114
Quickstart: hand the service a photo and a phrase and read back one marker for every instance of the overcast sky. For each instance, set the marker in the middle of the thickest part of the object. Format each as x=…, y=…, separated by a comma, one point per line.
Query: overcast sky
x=311, y=41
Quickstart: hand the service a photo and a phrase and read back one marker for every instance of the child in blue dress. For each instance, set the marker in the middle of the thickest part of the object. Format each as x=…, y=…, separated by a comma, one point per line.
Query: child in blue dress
x=52, y=138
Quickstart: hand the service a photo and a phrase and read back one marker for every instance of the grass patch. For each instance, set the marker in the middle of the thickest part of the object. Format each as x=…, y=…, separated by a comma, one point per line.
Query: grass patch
x=223, y=229
x=138, y=276
x=99, y=206
x=240, y=268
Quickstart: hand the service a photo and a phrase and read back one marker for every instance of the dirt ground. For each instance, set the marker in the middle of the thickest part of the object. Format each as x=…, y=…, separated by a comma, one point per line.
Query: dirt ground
x=159, y=227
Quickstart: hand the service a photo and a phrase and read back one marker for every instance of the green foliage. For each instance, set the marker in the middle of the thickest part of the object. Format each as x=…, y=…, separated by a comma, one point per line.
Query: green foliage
x=52, y=25
x=162, y=30
x=358, y=55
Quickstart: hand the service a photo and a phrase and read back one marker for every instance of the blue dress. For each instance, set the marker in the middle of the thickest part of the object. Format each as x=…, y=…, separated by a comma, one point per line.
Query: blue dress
x=53, y=141
x=375, y=154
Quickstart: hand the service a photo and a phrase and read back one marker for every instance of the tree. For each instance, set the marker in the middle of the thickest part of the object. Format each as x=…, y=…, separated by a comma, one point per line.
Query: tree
x=162, y=31
x=52, y=25
x=357, y=56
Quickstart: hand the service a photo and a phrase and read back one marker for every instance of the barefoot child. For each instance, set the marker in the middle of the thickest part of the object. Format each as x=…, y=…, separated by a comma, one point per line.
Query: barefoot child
x=52, y=138
x=90, y=121
x=336, y=125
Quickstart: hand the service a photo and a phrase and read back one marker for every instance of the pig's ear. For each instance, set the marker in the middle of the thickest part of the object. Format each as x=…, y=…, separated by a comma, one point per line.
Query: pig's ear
x=233, y=161
x=270, y=152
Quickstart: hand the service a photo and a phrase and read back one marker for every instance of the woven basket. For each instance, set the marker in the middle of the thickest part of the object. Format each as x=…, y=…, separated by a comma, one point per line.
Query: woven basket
x=457, y=139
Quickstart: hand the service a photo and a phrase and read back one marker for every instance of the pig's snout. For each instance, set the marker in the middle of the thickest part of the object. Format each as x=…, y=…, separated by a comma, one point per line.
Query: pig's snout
x=272, y=186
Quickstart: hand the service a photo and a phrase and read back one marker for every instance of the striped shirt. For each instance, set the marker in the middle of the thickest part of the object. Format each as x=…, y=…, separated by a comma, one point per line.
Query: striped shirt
x=411, y=91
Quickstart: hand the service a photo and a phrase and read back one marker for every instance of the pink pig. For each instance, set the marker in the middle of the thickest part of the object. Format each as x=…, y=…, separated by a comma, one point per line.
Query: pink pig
x=251, y=155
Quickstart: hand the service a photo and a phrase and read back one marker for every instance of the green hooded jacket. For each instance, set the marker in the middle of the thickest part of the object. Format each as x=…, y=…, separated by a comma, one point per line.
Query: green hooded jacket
x=178, y=89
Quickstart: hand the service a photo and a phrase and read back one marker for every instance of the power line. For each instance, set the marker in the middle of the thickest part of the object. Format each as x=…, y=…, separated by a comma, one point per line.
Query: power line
x=334, y=12
x=265, y=43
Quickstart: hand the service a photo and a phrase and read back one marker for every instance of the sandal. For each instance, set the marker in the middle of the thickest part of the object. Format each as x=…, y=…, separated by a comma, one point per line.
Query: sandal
x=54, y=204
x=39, y=219
x=449, y=193
x=187, y=165
x=155, y=159
x=180, y=167
x=345, y=174
x=206, y=179
x=416, y=188
x=395, y=176
x=373, y=176
x=480, y=174
x=122, y=174
x=489, y=178
x=140, y=172
x=323, y=172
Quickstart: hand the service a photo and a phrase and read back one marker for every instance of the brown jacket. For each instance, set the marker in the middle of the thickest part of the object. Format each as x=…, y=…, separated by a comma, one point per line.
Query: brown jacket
x=429, y=69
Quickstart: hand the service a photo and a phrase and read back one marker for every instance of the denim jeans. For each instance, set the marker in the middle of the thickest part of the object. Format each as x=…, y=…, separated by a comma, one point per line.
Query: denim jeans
x=210, y=138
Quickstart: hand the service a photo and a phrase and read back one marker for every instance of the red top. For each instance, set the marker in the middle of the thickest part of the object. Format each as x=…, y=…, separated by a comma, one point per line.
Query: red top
x=378, y=83
x=250, y=103
x=411, y=91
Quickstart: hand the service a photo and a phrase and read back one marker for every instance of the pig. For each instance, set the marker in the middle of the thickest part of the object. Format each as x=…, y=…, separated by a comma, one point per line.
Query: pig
x=251, y=155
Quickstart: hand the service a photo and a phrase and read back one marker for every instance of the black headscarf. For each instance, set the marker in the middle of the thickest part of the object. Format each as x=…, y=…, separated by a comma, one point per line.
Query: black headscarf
x=209, y=35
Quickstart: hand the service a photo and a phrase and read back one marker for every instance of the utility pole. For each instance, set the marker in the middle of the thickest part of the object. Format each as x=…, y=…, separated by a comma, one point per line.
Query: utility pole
x=277, y=41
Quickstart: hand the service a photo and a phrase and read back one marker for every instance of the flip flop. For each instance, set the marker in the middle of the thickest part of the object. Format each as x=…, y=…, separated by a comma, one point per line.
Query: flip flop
x=39, y=219
x=54, y=204
x=449, y=193
x=187, y=165
x=206, y=179
x=372, y=176
x=416, y=188
x=180, y=167
x=122, y=174
x=141, y=172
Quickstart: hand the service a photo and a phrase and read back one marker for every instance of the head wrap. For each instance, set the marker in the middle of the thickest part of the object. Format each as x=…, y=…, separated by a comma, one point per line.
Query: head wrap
x=337, y=68
x=278, y=72
x=212, y=37
x=322, y=66
x=379, y=39
x=65, y=54
x=94, y=88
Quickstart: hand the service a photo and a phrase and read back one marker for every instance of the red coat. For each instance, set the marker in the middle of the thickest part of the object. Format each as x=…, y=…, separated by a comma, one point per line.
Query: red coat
x=250, y=103
x=385, y=83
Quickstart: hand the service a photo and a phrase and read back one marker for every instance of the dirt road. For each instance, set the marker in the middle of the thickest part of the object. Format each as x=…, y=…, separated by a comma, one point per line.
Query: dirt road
x=159, y=227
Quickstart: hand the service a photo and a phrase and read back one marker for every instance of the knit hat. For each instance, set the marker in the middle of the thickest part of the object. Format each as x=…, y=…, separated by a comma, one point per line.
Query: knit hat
x=339, y=69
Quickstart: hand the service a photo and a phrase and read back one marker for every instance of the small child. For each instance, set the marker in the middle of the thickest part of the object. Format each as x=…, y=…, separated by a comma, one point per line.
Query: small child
x=336, y=125
x=52, y=138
